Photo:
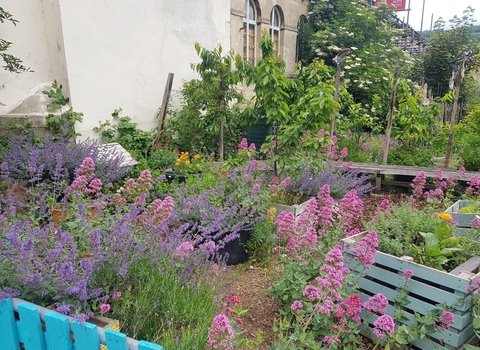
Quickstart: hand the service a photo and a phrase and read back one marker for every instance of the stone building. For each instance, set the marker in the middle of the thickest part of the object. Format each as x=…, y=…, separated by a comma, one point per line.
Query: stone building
x=117, y=53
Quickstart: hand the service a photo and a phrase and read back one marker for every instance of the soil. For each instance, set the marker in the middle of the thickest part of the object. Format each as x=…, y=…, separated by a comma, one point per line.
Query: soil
x=252, y=283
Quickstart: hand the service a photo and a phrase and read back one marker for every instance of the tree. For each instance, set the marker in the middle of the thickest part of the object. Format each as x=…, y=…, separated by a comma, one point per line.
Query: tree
x=12, y=63
x=218, y=81
x=369, y=32
x=446, y=49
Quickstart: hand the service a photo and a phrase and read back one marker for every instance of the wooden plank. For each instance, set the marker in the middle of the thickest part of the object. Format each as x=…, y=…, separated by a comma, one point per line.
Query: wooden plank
x=463, y=337
x=471, y=265
x=408, y=170
x=115, y=340
x=367, y=287
x=57, y=335
x=143, y=345
x=423, y=290
x=29, y=328
x=86, y=335
x=9, y=339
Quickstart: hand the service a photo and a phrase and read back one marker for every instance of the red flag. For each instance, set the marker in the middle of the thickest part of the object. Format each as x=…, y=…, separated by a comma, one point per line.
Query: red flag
x=398, y=5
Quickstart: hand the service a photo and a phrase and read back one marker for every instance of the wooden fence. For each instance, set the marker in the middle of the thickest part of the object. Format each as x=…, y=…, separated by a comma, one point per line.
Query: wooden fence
x=31, y=327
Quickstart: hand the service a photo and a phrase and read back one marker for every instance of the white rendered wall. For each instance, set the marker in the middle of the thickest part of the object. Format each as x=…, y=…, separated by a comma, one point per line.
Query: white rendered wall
x=119, y=52
x=37, y=20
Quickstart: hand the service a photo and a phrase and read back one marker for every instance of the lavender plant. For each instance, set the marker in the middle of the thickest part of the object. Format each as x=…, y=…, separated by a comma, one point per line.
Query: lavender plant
x=28, y=159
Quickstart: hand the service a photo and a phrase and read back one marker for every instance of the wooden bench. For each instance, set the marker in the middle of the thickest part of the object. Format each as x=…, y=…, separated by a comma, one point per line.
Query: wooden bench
x=380, y=170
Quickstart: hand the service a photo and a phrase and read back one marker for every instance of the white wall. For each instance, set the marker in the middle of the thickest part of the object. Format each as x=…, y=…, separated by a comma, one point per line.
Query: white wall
x=119, y=53
x=32, y=46
x=110, y=53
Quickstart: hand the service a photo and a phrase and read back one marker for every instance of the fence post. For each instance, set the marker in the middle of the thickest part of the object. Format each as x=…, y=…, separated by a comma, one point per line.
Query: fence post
x=9, y=338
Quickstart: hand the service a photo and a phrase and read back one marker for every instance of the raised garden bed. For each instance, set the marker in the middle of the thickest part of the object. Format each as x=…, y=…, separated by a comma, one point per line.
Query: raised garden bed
x=427, y=289
x=295, y=209
x=463, y=220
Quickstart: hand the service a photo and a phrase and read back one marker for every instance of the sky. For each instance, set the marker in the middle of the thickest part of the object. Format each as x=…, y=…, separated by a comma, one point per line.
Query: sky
x=439, y=8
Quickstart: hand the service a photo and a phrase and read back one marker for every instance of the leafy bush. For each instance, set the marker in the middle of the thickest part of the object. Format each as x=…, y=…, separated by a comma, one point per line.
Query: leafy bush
x=399, y=229
x=410, y=156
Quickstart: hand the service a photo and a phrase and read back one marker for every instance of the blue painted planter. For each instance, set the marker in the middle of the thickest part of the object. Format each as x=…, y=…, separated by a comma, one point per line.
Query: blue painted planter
x=38, y=328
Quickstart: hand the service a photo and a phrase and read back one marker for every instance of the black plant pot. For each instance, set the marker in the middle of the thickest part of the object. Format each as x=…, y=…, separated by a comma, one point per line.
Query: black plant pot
x=236, y=248
x=171, y=177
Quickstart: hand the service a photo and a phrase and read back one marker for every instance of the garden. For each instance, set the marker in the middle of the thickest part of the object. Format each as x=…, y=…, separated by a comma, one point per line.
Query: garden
x=243, y=224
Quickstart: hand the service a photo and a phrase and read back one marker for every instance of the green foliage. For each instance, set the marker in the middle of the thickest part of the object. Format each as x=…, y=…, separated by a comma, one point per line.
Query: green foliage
x=195, y=127
x=368, y=31
x=12, y=63
x=438, y=247
x=413, y=122
x=219, y=78
x=467, y=140
x=404, y=155
x=63, y=124
x=446, y=49
x=271, y=84
x=399, y=230
x=156, y=306
x=261, y=243
x=126, y=133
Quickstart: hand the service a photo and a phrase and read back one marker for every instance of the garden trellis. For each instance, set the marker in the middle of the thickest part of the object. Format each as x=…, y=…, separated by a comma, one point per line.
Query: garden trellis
x=38, y=328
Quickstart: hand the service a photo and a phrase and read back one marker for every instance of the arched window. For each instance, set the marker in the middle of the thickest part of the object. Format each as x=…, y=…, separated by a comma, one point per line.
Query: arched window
x=275, y=22
x=249, y=34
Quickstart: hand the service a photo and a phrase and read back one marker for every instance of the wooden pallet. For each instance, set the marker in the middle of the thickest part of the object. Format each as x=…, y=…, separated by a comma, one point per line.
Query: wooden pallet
x=427, y=289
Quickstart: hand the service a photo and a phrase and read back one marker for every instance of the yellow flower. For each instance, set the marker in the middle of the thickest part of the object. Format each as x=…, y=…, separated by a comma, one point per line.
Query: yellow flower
x=196, y=156
x=187, y=162
x=445, y=216
x=271, y=214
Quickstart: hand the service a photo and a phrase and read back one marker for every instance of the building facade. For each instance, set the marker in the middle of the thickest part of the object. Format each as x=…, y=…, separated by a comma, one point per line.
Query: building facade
x=117, y=53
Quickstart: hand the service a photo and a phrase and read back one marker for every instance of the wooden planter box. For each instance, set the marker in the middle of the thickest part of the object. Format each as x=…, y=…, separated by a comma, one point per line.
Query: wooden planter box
x=295, y=209
x=463, y=219
x=427, y=289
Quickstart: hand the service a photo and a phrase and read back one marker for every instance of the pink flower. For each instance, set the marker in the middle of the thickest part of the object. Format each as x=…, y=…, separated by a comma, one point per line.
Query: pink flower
x=366, y=249
x=243, y=145
x=376, y=303
x=446, y=320
x=297, y=306
x=408, y=274
x=327, y=340
x=220, y=333
x=382, y=325
x=104, y=308
x=116, y=295
x=215, y=269
x=184, y=249
x=233, y=299
x=353, y=305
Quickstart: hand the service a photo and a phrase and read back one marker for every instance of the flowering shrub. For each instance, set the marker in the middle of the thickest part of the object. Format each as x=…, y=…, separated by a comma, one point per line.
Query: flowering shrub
x=188, y=164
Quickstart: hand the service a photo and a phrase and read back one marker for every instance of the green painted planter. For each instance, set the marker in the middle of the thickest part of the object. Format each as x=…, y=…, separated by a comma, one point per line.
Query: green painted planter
x=463, y=220
x=427, y=289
